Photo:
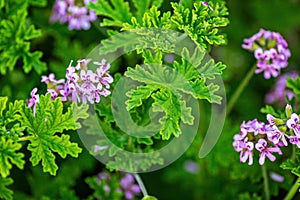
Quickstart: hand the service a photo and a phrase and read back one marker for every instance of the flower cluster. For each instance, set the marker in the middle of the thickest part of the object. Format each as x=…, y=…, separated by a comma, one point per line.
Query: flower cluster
x=128, y=187
x=271, y=51
x=267, y=138
x=279, y=91
x=80, y=85
x=73, y=12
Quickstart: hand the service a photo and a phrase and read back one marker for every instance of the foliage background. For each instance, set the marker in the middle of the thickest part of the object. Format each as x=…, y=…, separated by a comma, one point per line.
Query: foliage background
x=220, y=175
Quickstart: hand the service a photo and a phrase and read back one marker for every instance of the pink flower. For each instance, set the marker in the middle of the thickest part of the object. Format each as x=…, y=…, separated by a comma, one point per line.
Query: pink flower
x=295, y=140
x=264, y=150
x=74, y=13
x=247, y=153
x=271, y=58
x=275, y=135
x=128, y=186
x=254, y=126
x=293, y=124
x=35, y=98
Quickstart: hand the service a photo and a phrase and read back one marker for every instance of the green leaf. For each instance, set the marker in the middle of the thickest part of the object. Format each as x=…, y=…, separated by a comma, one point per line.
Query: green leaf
x=41, y=150
x=203, y=91
x=137, y=96
x=50, y=119
x=151, y=19
x=189, y=64
x=125, y=161
x=9, y=118
x=6, y=193
x=294, y=85
x=3, y=101
x=143, y=6
x=165, y=100
x=186, y=113
x=126, y=41
x=152, y=57
x=288, y=164
x=32, y=60
x=269, y=110
x=116, y=11
x=149, y=198
x=8, y=155
x=200, y=23
x=15, y=34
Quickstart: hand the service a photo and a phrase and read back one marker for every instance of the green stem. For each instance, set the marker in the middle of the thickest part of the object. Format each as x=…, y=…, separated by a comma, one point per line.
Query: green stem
x=25, y=138
x=240, y=89
x=141, y=184
x=293, y=157
x=293, y=190
x=266, y=182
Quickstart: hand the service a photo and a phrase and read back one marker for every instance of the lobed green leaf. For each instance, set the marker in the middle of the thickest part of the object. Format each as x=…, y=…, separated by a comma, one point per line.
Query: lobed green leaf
x=201, y=23
x=48, y=120
x=6, y=193
x=16, y=34
x=9, y=156
x=116, y=11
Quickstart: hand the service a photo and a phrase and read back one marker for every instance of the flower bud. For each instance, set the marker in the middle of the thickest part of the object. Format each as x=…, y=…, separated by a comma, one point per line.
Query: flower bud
x=288, y=110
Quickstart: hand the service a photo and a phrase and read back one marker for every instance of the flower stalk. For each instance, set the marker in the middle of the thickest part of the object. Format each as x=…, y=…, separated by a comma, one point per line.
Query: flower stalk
x=266, y=182
x=239, y=90
x=141, y=184
x=293, y=190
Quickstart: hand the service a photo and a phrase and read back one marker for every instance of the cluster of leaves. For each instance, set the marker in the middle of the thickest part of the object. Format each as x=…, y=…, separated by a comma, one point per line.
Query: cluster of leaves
x=116, y=143
x=161, y=103
x=198, y=21
x=19, y=124
x=163, y=91
x=16, y=32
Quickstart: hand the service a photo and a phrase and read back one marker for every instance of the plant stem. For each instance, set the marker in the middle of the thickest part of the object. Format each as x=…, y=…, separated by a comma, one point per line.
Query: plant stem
x=141, y=184
x=293, y=157
x=293, y=190
x=25, y=138
x=266, y=182
x=240, y=89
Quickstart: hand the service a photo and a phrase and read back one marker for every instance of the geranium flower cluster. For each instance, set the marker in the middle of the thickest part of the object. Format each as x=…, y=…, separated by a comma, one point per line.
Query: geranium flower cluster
x=267, y=139
x=81, y=84
x=73, y=12
x=271, y=51
x=128, y=186
x=280, y=91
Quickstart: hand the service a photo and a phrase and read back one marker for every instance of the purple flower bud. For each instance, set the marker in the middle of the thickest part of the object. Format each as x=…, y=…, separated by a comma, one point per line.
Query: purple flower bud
x=204, y=3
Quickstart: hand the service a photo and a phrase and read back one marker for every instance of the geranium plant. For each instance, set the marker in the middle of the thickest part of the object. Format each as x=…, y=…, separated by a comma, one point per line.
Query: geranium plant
x=129, y=99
